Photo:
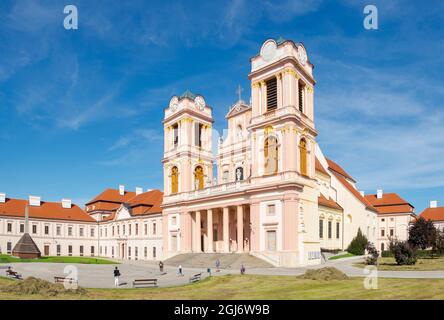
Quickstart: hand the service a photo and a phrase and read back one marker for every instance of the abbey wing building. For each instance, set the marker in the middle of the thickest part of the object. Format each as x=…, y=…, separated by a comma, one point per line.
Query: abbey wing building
x=272, y=192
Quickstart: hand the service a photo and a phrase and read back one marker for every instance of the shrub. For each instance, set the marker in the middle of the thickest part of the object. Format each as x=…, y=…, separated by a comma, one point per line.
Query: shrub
x=372, y=259
x=387, y=254
x=422, y=233
x=404, y=252
x=437, y=244
x=358, y=244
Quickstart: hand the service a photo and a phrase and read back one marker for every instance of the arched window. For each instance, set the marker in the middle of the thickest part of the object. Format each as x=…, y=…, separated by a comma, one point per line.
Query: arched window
x=303, y=157
x=239, y=174
x=174, y=180
x=271, y=156
x=239, y=133
x=198, y=178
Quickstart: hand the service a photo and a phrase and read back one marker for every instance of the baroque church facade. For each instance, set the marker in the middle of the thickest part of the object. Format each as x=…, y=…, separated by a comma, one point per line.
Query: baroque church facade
x=268, y=190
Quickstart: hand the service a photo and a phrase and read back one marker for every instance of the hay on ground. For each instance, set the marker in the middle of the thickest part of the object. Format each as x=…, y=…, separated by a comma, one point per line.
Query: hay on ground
x=31, y=286
x=326, y=274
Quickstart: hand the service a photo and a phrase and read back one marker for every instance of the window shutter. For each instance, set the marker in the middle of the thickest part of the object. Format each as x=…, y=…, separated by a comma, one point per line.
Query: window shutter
x=271, y=94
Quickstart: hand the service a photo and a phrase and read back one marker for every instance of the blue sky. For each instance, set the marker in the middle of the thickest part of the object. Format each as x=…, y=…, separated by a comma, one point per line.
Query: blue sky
x=81, y=110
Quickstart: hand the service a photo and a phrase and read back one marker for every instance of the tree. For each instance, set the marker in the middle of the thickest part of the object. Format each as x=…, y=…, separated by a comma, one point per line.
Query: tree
x=372, y=259
x=438, y=244
x=422, y=233
x=358, y=244
x=403, y=251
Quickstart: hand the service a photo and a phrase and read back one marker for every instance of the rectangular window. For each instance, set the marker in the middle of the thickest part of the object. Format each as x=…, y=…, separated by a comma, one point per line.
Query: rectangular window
x=81, y=232
x=154, y=228
x=392, y=232
x=106, y=232
x=59, y=249
x=112, y=229
x=136, y=227
x=106, y=251
x=271, y=210
x=321, y=229
x=198, y=134
x=47, y=230
x=34, y=229
x=129, y=253
x=146, y=229
x=123, y=229
x=225, y=175
x=271, y=94
x=154, y=252
x=301, y=96
x=69, y=231
x=9, y=227
x=92, y=251
x=145, y=252
x=136, y=253
x=22, y=228
x=338, y=229
x=173, y=220
x=81, y=251
x=112, y=252
x=58, y=230
x=93, y=232
x=329, y=230
x=176, y=135
x=130, y=227
x=9, y=247
x=271, y=240
x=382, y=233
x=69, y=250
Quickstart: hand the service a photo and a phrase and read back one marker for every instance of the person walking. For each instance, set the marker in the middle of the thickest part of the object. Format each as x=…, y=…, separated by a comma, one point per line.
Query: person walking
x=161, y=266
x=217, y=265
x=179, y=270
x=242, y=270
x=116, y=276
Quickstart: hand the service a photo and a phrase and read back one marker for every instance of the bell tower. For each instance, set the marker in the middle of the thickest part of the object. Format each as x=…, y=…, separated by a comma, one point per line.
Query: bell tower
x=282, y=125
x=188, y=158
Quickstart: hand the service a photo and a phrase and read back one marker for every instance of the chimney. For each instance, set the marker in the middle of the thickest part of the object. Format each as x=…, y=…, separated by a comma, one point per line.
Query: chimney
x=433, y=204
x=122, y=190
x=379, y=193
x=139, y=191
x=362, y=193
x=66, y=203
x=34, y=201
x=2, y=197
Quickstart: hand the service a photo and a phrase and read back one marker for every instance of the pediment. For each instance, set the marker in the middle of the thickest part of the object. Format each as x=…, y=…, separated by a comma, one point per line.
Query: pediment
x=238, y=108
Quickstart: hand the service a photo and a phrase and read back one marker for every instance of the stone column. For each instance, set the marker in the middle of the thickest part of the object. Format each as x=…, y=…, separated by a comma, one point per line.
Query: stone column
x=210, y=230
x=186, y=232
x=226, y=225
x=197, y=245
x=240, y=229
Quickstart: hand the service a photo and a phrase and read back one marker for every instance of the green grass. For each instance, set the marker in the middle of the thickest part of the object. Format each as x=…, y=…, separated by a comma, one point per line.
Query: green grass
x=340, y=256
x=423, y=264
x=83, y=260
x=254, y=287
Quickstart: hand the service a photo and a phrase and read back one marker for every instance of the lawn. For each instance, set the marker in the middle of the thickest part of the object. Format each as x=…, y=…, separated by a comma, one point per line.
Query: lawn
x=266, y=287
x=341, y=256
x=84, y=260
x=423, y=264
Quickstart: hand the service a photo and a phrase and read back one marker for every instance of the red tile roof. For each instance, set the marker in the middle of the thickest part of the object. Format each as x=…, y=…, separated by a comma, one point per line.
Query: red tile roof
x=338, y=169
x=434, y=214
x=47, y=210
x=113, y=195
x=330, y=203
x=319, y=167
x=390, y=203
x=355, y=192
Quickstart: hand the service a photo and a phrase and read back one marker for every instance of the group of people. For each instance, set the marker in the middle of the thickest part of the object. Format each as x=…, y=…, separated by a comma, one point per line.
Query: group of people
x=179, y=271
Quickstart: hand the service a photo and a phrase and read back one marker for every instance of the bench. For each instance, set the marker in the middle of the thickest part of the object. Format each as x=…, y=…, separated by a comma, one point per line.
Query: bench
x=12, y=274
x=196, y=277
x=143, y=283
x=64, y=280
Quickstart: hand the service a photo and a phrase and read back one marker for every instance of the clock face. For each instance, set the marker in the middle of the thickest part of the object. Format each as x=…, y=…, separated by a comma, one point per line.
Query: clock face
x=302, y=56
x=200, y=102
x=174, y=102
x=268, y=51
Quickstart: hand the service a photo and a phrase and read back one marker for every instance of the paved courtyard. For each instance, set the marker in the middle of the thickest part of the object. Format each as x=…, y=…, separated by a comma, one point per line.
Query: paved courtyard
x=101, y=276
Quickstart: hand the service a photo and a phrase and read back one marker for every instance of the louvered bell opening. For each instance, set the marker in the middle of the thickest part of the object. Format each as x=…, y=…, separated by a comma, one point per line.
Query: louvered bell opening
x=301, y=97
x=271, y=94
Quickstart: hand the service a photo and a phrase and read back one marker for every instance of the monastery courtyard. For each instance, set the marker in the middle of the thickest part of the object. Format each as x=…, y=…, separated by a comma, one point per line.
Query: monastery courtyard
x=101, y=275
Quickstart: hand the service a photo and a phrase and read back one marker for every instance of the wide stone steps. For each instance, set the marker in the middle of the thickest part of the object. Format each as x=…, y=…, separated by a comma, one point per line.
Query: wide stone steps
x=208, y=260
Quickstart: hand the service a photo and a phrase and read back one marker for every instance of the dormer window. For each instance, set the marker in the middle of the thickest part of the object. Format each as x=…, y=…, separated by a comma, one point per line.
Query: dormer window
x=301, y=96
x=271, y=94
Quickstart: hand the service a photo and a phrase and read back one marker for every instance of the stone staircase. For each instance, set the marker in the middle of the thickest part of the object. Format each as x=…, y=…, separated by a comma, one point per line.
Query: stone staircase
x=227, y=260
